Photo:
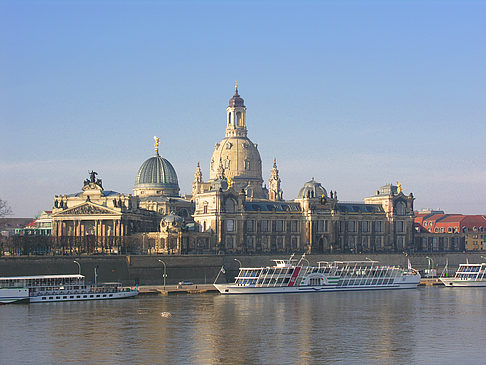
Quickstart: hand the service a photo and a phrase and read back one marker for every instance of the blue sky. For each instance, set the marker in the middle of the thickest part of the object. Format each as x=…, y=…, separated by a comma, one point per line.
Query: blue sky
x=356, y=94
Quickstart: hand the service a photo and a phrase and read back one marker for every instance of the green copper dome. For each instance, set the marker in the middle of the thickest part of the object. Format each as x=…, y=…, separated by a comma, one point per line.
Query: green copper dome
x=156, y=176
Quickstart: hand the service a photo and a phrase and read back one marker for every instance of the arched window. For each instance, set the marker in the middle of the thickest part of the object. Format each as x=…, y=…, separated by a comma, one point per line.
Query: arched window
x=239, y=121
x=400, y=208
x=229, y=206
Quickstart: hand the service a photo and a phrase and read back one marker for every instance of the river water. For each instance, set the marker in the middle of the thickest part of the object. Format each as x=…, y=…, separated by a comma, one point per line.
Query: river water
x=429, y=325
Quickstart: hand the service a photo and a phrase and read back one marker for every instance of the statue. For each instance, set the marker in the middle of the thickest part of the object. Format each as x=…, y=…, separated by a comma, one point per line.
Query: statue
x=156, y=145
x=92, y=176
x=230, y=183
x=399, y=187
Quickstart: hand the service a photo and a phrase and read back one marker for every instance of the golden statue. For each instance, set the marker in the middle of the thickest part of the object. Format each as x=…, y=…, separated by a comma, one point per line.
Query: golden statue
x=156, y=142
x=230, y=182
x=399, y=187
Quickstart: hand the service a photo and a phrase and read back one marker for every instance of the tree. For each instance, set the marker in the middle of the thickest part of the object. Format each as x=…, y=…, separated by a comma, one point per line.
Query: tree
x=4, y=209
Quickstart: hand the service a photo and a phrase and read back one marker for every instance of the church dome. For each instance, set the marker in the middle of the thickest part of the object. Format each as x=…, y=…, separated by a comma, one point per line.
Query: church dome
x=239, y=157
x=156, y=177
x=312, y=189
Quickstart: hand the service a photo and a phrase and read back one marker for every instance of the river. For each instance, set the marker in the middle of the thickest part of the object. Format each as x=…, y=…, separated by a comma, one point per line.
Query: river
x=429, y=325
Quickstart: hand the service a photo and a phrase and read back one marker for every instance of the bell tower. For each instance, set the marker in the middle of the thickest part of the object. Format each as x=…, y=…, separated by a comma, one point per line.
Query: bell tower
x=274, y=191
x=236, y=116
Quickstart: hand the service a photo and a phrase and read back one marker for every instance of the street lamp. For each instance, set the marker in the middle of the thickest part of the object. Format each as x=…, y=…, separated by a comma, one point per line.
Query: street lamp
x=238, y=261
x=165, y=271
x=79, y=266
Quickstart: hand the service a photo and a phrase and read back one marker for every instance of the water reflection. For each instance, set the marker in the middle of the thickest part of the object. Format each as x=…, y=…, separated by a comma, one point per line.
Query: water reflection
x=406, y=326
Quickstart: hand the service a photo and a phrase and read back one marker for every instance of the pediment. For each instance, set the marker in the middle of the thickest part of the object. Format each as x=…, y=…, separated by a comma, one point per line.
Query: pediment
x=88, y=209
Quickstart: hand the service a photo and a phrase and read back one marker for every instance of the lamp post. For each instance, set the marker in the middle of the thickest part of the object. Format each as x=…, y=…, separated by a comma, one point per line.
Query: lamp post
x=165, y=271
x=238, y=261
x=79, y=267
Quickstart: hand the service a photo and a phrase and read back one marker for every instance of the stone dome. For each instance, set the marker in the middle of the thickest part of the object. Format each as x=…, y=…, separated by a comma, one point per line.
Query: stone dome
x=239, y=157
x=312, y=189
x=156, y=177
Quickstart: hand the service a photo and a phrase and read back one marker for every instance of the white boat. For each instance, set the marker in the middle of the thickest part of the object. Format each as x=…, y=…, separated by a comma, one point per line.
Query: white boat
x=61, y=288
x=467, y=275
x=12, y=295
x=288, y=276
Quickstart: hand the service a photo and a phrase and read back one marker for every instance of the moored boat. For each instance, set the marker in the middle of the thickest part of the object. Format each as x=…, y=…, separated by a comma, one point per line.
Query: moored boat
x=13, y=295
x=289, y=276
x=61, y=288
x=467, y=275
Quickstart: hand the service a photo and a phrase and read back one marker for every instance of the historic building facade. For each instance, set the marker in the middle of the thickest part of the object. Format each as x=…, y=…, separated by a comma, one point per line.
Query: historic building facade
x=242, y=216
x=234, y=211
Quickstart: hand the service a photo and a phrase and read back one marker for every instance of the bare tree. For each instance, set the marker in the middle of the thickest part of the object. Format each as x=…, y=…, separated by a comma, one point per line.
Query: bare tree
x=4, y=208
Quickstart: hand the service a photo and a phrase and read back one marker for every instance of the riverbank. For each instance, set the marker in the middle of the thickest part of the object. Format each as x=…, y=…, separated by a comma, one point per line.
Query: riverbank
x=199, y=269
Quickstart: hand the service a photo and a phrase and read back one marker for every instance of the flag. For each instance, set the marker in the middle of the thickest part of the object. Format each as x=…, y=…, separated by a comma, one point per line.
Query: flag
x=409, y=265
x=223, y=270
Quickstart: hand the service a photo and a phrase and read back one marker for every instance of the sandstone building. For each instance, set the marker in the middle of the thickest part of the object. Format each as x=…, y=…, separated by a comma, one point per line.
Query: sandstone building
x=234, y=210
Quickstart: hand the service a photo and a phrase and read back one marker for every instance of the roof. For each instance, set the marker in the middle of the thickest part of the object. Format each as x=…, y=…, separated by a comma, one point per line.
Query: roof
x=359, y=208
x=42, y=277
x=103, y=193
x=270, y=206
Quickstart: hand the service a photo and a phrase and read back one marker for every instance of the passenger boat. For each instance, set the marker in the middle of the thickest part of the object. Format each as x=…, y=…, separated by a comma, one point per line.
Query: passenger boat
x=12, y=295
x=289, y=276
x=467, y=275
x=61, y=288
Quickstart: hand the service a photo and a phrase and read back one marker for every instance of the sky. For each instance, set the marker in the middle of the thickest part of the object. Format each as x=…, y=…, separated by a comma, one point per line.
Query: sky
x=356, y=94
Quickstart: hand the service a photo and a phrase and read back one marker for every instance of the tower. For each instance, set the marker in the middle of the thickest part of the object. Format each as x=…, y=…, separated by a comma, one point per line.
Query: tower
x=274, y=191
x=236, y=154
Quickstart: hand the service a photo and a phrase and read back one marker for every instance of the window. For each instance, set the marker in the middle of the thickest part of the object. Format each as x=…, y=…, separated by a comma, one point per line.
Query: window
x=378, y=226
x=280, y=243
x=226, y=164
x=251, y=243
x=247, y=164
x=365, y=226
x=400, y=208
x=229, y=205
x=294, y=226
x=399, y=226
x=229, y=242
x=279, y=226
x=265, y=226
x=351, y=226
x=250, y=226
x=230, y=225
x=205, y=209
x=321, y=226
x=295, y=243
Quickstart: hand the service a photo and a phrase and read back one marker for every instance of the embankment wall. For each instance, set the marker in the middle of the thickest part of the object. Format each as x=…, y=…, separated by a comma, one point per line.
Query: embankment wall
x=147, y=270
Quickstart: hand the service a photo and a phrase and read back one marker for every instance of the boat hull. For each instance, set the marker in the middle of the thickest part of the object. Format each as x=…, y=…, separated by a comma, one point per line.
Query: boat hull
x=13, y=295
x=463, y=283
x=61, y=297
x=226, y=289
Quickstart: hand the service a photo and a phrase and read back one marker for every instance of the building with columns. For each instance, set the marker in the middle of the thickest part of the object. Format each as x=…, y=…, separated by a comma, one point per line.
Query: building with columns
x=242, y=216
x=233, y=211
